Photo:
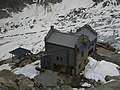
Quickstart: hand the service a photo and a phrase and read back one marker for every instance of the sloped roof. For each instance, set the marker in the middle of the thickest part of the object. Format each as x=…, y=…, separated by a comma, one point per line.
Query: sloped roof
x=69, y=40
x=62, y=39
x=20, y=52
x=87, y=30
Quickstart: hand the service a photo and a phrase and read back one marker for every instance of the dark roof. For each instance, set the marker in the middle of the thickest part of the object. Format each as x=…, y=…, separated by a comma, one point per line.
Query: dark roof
x=90, y=28
x=20, y=52
x=69, y=40
x=87, y=30
x=62, y=39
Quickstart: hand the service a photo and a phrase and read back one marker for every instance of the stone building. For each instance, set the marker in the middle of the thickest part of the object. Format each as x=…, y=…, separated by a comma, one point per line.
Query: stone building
x=67, y=53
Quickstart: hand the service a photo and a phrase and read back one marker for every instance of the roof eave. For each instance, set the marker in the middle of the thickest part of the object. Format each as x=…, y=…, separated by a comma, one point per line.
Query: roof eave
x=89, y=27
x=61, y=45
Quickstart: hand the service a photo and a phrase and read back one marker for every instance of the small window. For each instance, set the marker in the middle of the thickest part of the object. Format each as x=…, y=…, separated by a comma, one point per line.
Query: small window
x=85, y=61
x=82, y=53
x=79, y=66
x=57, y=58
x=61, y=58
x=92, y=44
x=90, y=52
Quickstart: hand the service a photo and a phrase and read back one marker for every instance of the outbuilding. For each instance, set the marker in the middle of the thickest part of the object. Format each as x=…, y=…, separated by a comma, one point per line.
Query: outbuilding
x=20, y=52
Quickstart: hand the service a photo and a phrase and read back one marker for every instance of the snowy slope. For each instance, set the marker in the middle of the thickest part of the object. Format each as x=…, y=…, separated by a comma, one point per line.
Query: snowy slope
x=28, y=28
x=28, y=70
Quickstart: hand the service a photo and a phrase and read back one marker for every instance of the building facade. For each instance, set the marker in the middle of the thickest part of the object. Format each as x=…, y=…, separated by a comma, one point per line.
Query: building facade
x=67, y=53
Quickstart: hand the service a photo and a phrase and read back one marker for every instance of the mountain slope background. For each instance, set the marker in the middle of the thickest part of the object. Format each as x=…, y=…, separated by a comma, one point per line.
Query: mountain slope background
x=27, y=25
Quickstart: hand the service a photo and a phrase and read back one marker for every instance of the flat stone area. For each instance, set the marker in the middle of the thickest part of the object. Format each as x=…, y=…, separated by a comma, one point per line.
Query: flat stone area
x=104, y=52
x=110, y=56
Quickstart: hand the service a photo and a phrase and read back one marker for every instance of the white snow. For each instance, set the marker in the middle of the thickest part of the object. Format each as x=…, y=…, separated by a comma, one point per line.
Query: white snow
x=5, y=66
x=97, y=70
x=98, y=17
x=78, y=89
x=86, y=85
x=28, y=70
x=33, y=39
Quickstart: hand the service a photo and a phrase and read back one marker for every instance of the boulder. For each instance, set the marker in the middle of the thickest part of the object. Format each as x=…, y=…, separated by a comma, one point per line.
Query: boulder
x=25, y=62
x=65, y=87
x=108, y=78
x=10, y=81
x=7, y=84
x=6, y=73
x=113, y=85
x=24, y=83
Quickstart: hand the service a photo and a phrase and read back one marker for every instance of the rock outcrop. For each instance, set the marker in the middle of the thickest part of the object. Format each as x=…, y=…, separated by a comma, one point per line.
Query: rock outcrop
x=114, y=84
x=10, y=81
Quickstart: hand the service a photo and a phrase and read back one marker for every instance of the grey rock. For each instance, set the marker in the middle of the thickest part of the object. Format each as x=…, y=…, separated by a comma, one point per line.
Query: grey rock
x=113, y=85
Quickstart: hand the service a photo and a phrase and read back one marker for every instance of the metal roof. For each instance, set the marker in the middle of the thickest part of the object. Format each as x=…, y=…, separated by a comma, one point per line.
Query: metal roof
x=20, y=52
x=69, y=40
x=87, y=32
x=62, y=39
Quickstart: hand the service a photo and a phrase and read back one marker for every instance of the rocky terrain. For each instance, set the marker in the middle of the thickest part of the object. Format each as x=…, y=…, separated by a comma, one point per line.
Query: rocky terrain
x=113, y=85
x=12, y=6
x=25, y=77
x=10, y=81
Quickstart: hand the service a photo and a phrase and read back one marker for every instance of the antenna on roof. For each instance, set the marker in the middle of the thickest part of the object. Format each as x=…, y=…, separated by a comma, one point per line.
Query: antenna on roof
x=52, y=27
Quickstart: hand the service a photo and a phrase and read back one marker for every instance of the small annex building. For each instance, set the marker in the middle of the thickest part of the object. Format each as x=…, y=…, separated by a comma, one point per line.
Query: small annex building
x=68, y=52
x=20, y=52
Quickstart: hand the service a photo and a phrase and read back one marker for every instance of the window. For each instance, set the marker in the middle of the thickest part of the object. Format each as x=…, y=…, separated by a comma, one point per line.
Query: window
x=61, y=58
x=90, y=52
x=88, y=47
x=79, y=66
x=85, y=61
x=57, y=58
x=82, y=53
x=92, y=43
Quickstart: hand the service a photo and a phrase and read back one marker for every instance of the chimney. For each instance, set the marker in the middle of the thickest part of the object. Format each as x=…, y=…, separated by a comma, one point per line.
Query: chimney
x=52, y=27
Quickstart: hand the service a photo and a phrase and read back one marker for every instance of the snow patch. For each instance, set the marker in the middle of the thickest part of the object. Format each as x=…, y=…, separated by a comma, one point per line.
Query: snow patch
x=5, y=66
x=28, y=70
x=86, y=85
x=78, y=89
x=97, y=70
